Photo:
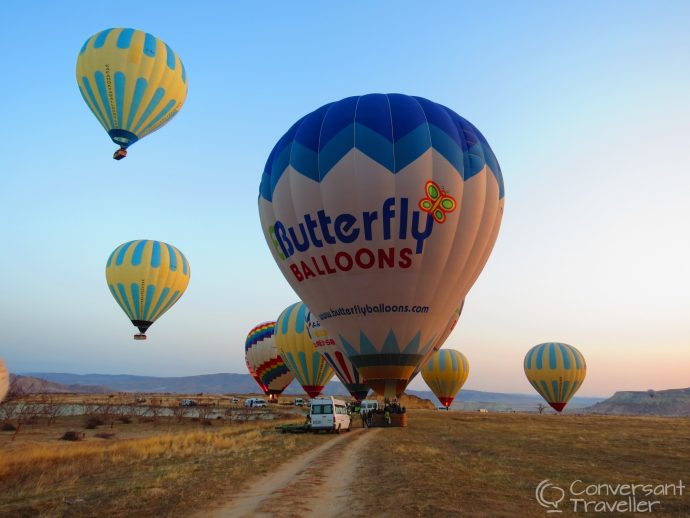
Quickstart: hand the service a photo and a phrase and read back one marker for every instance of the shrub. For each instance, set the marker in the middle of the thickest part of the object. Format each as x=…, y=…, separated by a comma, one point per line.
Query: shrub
x=73, y=436
x=92, y=423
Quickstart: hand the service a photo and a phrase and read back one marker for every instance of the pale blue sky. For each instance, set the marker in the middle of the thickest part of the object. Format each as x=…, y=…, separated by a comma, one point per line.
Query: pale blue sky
x=586, y=105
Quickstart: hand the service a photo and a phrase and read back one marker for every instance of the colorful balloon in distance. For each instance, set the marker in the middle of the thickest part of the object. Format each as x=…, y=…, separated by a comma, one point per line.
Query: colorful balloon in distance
x=262, y=354
x=146, y=278
x=252, y=373
x=298, y=351
x=4, y=381
x=438, y=343
x=381, y=211
x=445, y=372
x=133, y=82
x=344, y=370
x=556, y=371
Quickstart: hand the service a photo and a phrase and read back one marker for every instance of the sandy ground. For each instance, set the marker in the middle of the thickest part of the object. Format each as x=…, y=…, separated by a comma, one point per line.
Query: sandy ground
x=327, y=471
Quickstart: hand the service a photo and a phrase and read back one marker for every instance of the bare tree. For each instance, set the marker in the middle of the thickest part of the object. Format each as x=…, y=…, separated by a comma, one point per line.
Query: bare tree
x=179, y=412
x=204, y=412
x=541, y=407
x=51, y=408
x=19, y=408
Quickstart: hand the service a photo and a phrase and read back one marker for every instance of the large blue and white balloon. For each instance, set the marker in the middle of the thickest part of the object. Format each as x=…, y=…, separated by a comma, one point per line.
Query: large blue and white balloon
x=381, y=211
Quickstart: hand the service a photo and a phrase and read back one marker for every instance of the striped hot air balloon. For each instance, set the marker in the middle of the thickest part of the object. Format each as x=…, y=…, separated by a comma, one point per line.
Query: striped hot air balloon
x=348, y=375
x=262, y=354
x=442, y=337
x=445, y=372
x=252, y=373
x=146, y=278
x=133, y=82
x=556, y=371
x=4, y=380
x=381, y=211
x=298, y=351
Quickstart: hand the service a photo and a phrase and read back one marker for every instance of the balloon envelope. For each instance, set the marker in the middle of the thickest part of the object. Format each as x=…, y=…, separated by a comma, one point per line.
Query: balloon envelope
x=4, y=381
x=347, y=374
x=146, y=278
x=447, y=330
x=556, y=371
x=381, y=211
x=298, y=351
x=251, y=368
x=262, y=353
x=132, y=82
x=445, y=372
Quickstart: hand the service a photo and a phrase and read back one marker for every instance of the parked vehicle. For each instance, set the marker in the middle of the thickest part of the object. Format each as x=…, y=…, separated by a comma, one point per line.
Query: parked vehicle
x=188, y=402
x=299, y=401
x=255, y=402
x=369, y=404
x=329, y=414
x=235, y=401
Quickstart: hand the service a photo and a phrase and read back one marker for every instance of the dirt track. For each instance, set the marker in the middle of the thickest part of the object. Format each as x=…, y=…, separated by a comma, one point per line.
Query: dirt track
x=326, y=470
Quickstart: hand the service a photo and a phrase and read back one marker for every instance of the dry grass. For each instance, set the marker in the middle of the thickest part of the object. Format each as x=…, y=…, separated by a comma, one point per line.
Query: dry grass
x=163, y=474
x=477, y=465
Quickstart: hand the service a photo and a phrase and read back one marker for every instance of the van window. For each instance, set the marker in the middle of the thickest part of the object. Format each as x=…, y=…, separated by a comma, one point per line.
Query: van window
x=321, y=409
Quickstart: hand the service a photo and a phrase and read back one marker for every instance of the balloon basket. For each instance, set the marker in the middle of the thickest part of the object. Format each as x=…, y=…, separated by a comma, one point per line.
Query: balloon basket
x=397, y=421
x=120, y=154
x=140, y=336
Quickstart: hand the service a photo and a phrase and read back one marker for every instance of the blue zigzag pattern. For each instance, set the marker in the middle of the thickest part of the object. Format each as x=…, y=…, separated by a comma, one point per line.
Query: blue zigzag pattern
x=391, y=345
x=392, y=129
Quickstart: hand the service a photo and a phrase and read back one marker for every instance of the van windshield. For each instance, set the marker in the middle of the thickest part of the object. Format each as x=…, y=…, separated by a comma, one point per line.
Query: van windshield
x=321, y=409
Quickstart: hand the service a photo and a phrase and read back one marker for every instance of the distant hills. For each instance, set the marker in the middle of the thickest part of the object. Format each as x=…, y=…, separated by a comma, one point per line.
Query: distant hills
x=501, y=402
x=673, y=402
x=34, y=385
x=227, y=383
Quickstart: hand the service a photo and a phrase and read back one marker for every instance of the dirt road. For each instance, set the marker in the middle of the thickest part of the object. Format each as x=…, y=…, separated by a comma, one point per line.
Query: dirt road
x=317, y=483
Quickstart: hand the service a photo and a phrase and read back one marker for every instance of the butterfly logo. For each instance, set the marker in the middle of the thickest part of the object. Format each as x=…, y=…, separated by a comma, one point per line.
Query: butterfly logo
x=437, y=201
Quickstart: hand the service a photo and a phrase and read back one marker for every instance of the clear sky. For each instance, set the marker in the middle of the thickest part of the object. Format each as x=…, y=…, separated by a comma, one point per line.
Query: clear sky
x=586, y=105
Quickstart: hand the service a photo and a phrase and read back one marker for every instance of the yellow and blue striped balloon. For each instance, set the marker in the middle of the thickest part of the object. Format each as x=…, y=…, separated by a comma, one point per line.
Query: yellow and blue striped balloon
x=556, y=371
x=298, y=351
x=133, y=82
x=4, y=381
x=146, y=278
x=446, y=372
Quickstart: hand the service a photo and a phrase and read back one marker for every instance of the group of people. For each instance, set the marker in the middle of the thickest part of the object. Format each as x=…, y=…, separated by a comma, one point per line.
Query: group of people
x=387, y=411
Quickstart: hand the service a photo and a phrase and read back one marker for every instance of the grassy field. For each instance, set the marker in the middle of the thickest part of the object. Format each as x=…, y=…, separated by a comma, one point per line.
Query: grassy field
x=473, y=464
x=444, y=463
x=166, y=468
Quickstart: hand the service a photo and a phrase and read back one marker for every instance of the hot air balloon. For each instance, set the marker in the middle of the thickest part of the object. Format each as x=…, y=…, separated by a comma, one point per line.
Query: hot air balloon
x=263, y=355
x=252, y=373
x=447, y=330
x=132, y=82
x=381, y=211
x=446, y=372
x=146, y=278
x=298, y=351
x=556, y=371
x=347, y=374
x=4, y=381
